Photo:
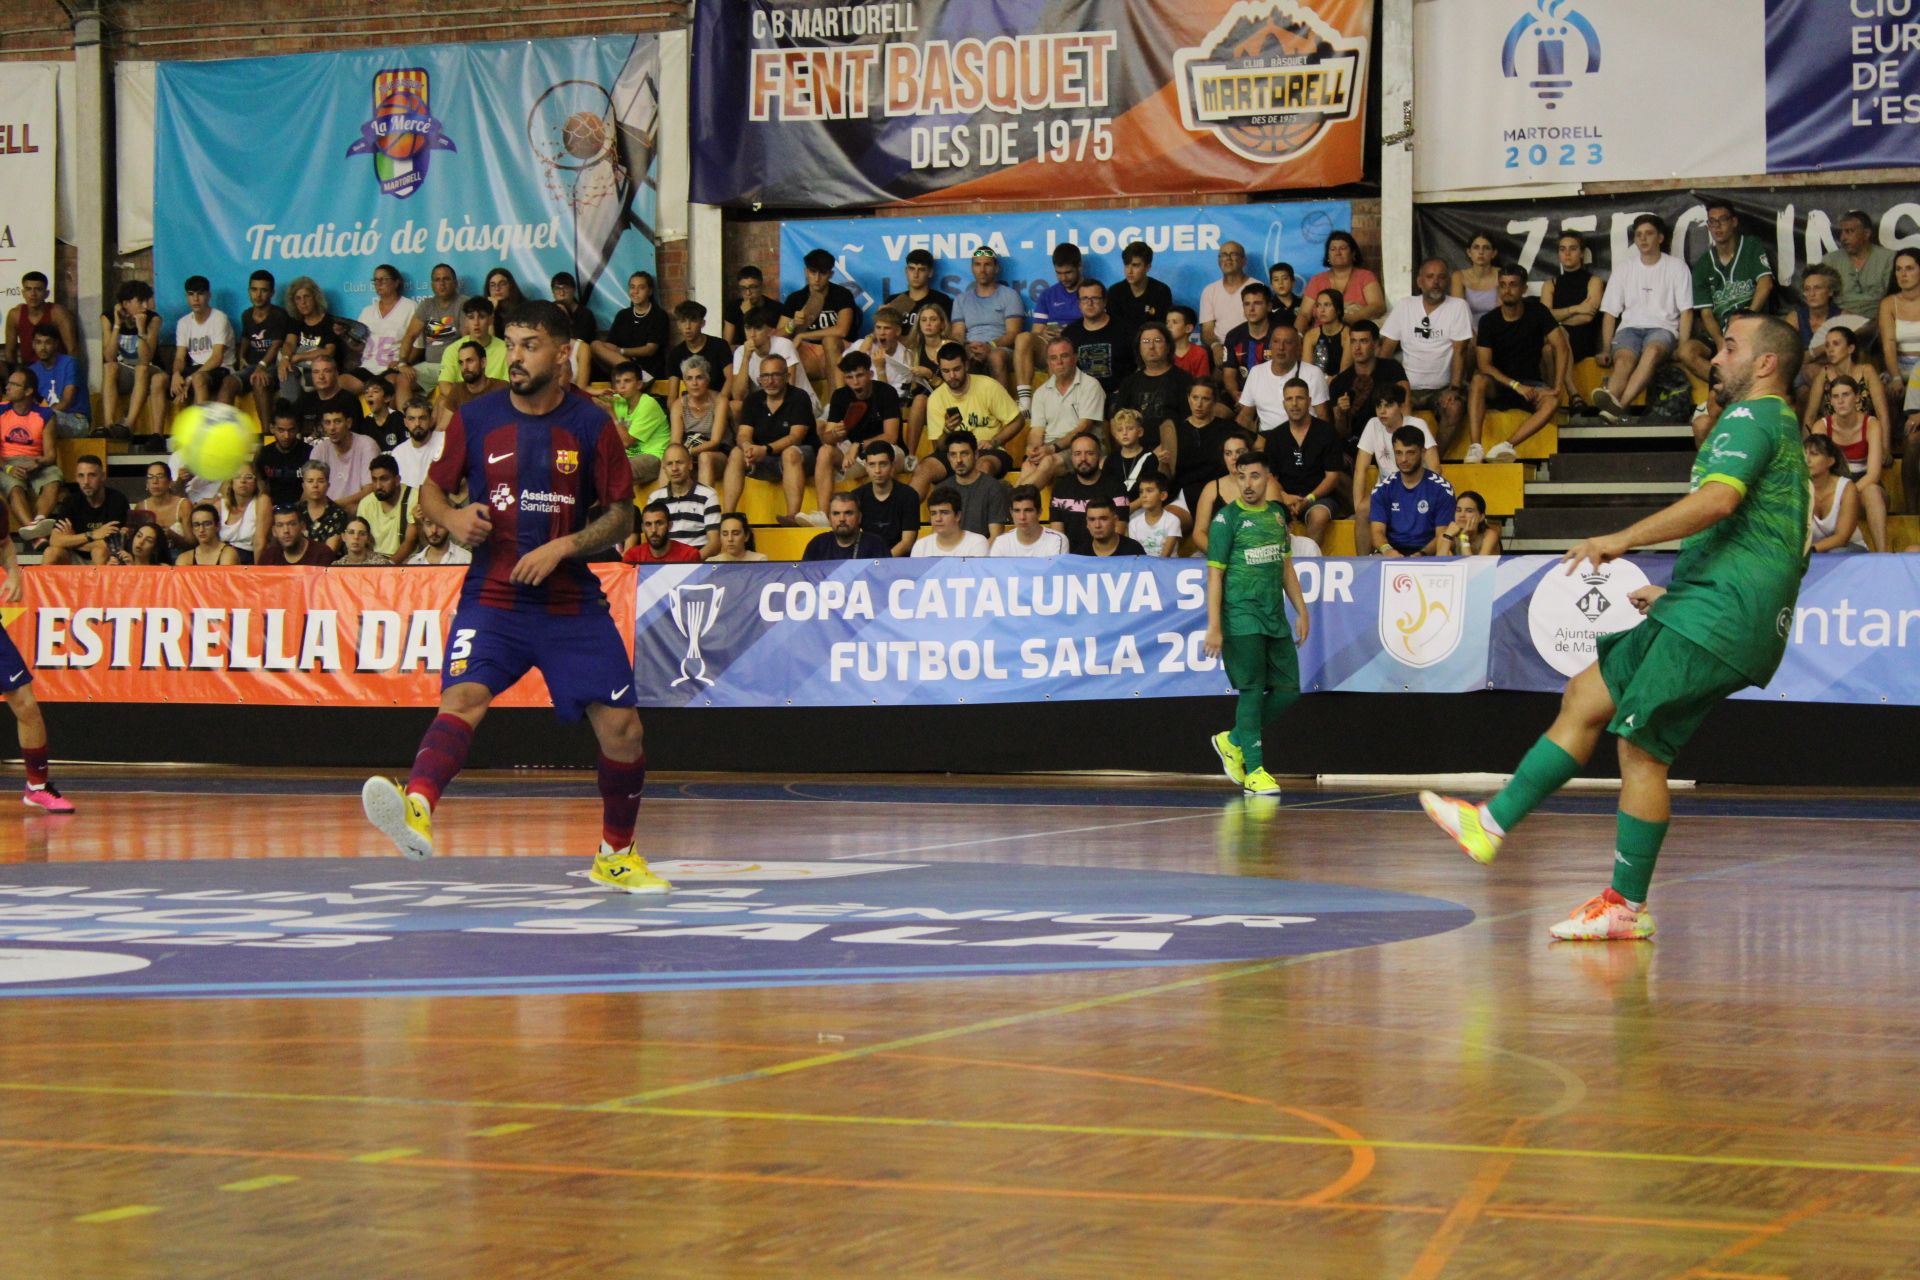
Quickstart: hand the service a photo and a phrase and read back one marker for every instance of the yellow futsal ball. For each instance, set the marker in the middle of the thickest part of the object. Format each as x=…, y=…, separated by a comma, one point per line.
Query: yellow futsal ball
x=212, y=441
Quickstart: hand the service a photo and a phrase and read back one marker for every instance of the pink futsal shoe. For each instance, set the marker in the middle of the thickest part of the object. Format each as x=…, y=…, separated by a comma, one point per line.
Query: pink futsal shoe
x=46, y=798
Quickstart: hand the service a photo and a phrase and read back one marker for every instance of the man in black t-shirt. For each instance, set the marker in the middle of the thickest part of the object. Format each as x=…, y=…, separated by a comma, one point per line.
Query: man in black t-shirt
x=383, y=424
x=1083, y=483
x=863, y=409
x=1508, y=374
x=749, y=294
x=327, y=396
x=846, y=540
x=888, y=510
x=640, y=332
x=919, y=292
x=1139, y=297
x=1157, y=390
x=1356, y=388
x=1304, y=455
x=278, y=461
x=91, y=519
x=1102, y=346
x=263, y=336
x=690, y=320
x=776, y=441
x=1103, y=533
x=584, y=327
x=821, y=318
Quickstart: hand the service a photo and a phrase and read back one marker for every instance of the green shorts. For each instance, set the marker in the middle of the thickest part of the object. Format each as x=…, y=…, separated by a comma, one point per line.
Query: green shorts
x=36, y=482
x=1259, y=662
x=1663, y=686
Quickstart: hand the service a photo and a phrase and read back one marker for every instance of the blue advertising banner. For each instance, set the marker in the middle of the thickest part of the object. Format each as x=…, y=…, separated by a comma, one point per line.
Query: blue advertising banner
x=871, y=252
x=951, y=631
x=1843, y=84
x=532, y=155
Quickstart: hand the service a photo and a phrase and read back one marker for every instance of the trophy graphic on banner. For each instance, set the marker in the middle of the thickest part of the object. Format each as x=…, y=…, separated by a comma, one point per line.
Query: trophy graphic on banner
x=695, y=610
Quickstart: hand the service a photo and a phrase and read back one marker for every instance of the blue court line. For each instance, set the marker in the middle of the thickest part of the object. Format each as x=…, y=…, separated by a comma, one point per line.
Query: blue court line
x=1093, y=796
x=362, y=985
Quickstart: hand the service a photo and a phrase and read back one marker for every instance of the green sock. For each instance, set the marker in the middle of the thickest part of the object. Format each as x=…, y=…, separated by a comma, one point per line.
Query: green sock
x=1636, y=847
x=1544, y=770
x=1248, y=722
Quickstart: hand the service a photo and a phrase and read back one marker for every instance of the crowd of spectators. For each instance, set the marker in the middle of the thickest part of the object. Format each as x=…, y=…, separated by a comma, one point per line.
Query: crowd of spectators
x=1089, y=419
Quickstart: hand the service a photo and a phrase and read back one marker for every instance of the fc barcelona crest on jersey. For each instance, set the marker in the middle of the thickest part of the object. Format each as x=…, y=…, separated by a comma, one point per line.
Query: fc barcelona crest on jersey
x=566, y=461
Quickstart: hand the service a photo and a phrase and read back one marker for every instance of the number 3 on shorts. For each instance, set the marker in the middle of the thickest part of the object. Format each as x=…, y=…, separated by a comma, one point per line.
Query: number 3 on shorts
x=462, y=645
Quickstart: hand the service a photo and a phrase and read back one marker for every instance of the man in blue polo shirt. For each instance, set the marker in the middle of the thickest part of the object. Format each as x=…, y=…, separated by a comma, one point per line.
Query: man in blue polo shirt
x=1411, y=506
x=1056, y=308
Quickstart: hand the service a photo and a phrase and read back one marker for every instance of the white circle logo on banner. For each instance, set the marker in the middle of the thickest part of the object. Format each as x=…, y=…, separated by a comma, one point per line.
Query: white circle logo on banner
x=21, y=964
x=1569, y=612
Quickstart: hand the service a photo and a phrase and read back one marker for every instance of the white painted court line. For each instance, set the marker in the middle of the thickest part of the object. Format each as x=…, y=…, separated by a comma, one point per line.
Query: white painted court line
x=1028, y=835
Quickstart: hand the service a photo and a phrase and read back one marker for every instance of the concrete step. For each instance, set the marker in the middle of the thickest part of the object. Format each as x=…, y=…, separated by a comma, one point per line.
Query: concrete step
x=1553, y=546
x=1622, y=466
x=1591, y=493
x=1577, y=522
x=1583, y=433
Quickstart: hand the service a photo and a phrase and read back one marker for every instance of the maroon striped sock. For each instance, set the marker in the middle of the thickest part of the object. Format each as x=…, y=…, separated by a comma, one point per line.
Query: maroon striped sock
x=36, y=762
x=621, y=782
x=442, y=754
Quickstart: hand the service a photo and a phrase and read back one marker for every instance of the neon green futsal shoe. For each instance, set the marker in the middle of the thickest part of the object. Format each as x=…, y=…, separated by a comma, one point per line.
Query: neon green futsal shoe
x=1461, y=820
x=402, y=817
x=1261, y=783
x=1232, y=763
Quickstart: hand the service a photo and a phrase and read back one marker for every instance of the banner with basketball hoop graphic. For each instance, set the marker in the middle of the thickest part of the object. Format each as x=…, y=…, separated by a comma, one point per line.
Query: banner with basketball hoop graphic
x=536, y=156
x=812, y=104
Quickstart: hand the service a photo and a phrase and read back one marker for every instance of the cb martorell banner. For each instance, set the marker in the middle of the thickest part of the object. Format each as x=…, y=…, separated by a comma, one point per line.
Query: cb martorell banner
x=820, y=105
x=533, y=155
x=1796, y=224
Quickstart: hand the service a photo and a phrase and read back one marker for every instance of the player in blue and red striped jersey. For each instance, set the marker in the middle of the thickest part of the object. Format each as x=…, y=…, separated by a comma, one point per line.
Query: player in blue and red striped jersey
x=536, y=457
x=16, y=686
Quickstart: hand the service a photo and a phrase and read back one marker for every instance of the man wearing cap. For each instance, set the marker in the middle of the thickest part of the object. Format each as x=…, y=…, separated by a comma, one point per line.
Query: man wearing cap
x=990, y=318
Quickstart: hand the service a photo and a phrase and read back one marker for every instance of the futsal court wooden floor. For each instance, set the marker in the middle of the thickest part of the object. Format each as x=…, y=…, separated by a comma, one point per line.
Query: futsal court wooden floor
x=1738, y=1100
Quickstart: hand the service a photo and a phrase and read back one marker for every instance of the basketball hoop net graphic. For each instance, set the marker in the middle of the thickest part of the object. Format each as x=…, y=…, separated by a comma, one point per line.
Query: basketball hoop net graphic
x=594, y=147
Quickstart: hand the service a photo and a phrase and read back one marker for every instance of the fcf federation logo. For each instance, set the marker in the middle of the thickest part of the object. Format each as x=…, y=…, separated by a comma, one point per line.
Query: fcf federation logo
x=1269, y=79
x=403, y=135
x=1422, y=607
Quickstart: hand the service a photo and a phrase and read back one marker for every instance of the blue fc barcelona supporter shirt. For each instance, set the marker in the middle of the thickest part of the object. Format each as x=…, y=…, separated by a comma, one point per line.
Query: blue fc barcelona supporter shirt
x=1412, y=515
x=538, y=475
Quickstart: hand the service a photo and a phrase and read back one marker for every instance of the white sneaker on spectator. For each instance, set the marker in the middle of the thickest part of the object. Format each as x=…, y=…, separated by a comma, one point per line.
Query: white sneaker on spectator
x=36, y=529
x=1502, y=452
x=1476, y=454
x=1608, y=404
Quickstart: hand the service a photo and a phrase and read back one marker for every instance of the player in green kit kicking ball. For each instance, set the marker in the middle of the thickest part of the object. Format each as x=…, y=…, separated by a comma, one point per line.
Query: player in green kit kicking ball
x=1248, y=570
x=1719, y=626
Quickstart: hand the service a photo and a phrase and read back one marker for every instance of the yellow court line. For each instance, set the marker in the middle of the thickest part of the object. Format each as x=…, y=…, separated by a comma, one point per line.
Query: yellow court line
x=500, y=1130
x=999, y=1126
x=124, y=1212
x=381, y=1157
x=260, y=1183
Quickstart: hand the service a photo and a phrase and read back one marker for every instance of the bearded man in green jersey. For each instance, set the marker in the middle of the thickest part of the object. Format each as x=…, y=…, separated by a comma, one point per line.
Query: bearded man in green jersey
x=1249, y=570
x=1719, y=626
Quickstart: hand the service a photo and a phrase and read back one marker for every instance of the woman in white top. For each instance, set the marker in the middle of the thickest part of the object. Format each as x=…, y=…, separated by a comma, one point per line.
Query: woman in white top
x=736, y=542
x=245, y=514
x=1835, y=514
x=1900, y=327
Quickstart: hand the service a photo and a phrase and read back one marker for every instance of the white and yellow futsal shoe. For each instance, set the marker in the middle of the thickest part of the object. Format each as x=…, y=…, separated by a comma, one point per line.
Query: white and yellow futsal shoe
x=626, y=871
x=401, y=816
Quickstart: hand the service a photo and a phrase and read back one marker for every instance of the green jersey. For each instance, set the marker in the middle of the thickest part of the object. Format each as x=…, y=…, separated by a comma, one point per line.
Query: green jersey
x=1735, y=582
x=1725, y=289
x=1251, y=545
x=646, y=424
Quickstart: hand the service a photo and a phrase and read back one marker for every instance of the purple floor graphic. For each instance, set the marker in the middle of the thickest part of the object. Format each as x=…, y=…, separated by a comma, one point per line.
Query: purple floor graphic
x=523, y=926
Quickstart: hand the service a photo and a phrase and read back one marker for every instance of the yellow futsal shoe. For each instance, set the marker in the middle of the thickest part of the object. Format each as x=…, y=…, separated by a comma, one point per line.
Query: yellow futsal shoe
x=1461, y=820
x=402, y=817
x=1261, y=783
x=1232, y=763
x=1605, y=917
x=625, y=870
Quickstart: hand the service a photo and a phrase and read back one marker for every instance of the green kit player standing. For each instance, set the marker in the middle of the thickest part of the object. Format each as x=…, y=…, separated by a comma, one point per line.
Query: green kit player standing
x=1720, y=626
x=1248, y=571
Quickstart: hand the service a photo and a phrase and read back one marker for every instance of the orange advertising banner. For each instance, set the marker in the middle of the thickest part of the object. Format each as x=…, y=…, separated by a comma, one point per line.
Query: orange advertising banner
x=259, y=636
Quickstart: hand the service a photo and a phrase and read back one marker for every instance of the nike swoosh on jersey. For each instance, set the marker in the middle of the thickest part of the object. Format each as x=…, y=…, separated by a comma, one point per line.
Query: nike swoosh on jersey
x=621, y=690
x=497, y=457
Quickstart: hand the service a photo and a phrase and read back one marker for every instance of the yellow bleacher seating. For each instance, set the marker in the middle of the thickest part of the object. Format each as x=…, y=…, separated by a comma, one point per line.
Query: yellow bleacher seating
x=1538, y=447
